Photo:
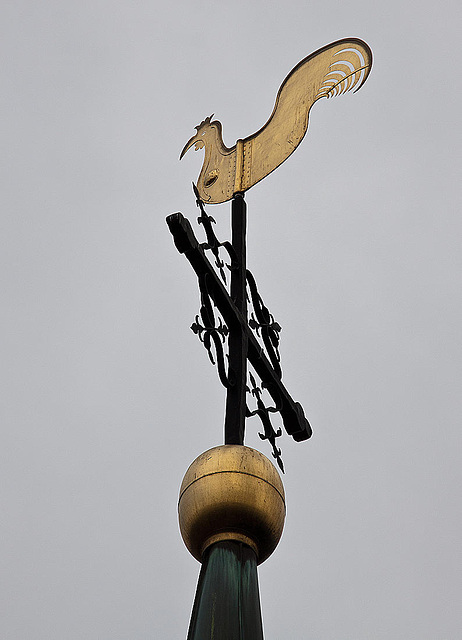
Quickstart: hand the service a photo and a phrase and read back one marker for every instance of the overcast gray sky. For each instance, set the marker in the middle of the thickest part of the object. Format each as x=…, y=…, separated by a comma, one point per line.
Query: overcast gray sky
x=107, y=394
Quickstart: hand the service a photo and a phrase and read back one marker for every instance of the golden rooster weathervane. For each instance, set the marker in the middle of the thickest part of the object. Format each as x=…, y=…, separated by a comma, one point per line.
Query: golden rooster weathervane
x=330, y=71
x=231, y=507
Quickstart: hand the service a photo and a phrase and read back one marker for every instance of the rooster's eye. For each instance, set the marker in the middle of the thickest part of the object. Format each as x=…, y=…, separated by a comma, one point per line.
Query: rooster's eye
x=211, y=178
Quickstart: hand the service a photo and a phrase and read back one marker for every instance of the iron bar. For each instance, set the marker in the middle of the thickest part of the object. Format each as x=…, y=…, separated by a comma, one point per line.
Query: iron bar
x=237, y=341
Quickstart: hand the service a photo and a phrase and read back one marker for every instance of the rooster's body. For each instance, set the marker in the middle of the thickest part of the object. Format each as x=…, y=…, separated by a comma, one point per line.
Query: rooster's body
x=330, y=71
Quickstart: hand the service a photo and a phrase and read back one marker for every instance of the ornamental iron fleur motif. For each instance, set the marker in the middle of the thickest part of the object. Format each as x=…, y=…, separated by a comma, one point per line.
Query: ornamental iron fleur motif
x=213, y=332
x=263, y=412
x=219, y=316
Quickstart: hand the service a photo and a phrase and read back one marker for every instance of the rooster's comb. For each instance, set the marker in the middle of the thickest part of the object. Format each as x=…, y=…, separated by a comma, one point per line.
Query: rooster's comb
x=204, y=122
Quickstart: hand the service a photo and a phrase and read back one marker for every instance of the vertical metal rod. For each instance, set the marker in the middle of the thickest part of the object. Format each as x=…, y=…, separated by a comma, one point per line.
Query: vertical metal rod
x=236, y=396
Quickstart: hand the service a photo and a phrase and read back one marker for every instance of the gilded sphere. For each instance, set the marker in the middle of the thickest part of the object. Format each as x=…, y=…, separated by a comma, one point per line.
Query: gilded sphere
x=232, y=492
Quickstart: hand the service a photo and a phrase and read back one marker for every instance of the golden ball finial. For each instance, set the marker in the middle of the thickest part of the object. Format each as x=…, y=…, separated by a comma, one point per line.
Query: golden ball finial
x=232, y=492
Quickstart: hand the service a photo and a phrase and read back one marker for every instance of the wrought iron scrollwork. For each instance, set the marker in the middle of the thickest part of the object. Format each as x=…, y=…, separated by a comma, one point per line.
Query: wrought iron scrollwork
x=233, y=337
x=263, y=412
x=213, y=244
x=209, y=332
x=205, y=325
x=262, y=321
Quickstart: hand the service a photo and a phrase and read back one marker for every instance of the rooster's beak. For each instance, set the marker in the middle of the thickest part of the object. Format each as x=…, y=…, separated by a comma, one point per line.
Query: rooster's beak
x=190, y=143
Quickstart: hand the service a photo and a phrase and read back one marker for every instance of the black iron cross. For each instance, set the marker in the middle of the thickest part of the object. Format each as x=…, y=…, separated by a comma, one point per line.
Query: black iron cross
x=242, y=342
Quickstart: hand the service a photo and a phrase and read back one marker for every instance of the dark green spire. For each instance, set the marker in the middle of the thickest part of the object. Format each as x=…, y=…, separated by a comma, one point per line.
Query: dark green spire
x=227, y=603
